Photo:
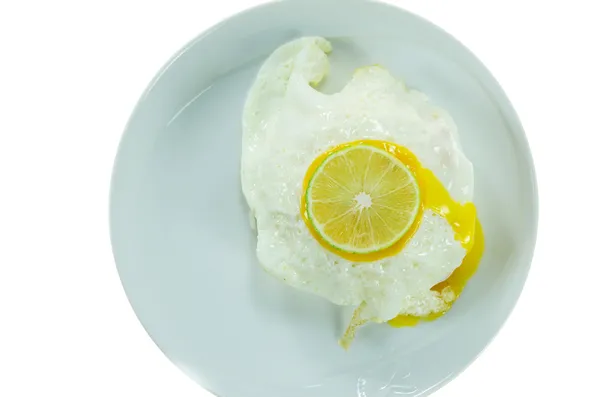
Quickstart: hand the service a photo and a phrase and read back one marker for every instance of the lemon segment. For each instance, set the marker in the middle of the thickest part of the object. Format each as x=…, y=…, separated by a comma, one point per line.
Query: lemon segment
x=361, y=200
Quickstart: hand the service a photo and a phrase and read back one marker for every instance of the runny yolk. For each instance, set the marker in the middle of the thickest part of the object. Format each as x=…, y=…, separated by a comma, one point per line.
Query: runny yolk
x=467, y=230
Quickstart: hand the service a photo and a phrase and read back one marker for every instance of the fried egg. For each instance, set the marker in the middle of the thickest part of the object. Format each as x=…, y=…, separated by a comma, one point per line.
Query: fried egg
x=288, y=123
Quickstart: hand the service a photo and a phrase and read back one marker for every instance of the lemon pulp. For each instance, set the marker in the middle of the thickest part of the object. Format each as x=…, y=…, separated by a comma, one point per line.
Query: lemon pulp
x=361, y=201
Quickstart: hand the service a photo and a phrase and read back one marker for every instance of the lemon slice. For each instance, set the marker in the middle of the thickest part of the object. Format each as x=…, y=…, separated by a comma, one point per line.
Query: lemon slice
x=362, y=199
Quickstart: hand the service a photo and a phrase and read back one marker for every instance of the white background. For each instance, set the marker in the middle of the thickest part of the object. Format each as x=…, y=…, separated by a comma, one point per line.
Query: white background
x=70, y=74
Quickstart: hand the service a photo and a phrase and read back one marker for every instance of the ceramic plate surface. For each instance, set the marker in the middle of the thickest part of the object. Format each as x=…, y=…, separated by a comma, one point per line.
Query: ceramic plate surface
x=186, y=254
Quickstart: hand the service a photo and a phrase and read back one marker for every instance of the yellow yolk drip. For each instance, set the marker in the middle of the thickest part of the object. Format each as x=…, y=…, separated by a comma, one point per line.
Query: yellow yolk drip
x=434, y=196
x=457, y=280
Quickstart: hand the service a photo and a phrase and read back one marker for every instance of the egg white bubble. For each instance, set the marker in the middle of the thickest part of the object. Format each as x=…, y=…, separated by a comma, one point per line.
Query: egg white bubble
x=287, y=123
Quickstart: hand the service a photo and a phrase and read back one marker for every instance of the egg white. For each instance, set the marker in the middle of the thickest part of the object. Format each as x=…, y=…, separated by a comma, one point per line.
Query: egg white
x=287, y=123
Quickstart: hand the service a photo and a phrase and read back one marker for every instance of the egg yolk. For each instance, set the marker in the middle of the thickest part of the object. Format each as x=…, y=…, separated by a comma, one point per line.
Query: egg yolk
x=434, y=197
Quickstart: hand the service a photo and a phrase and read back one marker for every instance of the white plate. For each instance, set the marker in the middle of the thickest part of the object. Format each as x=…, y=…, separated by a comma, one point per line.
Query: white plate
x=180, y=229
